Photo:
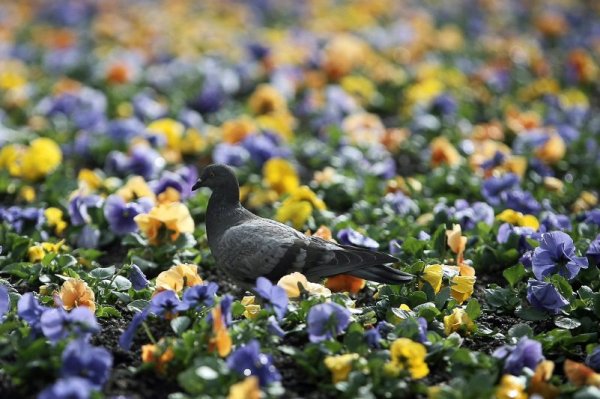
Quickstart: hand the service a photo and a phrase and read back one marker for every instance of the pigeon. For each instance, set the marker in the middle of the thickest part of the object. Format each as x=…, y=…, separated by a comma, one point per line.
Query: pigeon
x=247, y=246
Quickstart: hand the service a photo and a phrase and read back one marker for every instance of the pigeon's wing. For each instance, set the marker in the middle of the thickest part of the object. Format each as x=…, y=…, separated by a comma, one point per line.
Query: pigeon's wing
x=258, y=247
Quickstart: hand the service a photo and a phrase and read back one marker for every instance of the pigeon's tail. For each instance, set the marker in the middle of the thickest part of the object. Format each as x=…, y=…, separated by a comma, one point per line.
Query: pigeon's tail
x=382, y=274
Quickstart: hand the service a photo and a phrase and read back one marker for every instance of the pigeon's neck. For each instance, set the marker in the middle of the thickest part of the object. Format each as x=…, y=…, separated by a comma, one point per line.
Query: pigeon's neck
x=224, y=209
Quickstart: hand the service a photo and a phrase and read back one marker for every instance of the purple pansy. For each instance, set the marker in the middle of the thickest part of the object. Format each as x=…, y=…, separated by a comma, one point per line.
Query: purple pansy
x=373, y=338
x=165, y=303
x=30, y=310
x=401, y=204
x=326, y=321
x=126, y=338
x=275, y=296
x=84, y=360
x=494, y=186
x=593, y=252
x=78, y=208
x=119, y=214
x=545, y=296
x=527, y=353
x=274, y=328
x=592, y=217
x=263, y=147
x=553, y=221
x=352, y=237
x=4, y=301
x=506, y=230
x=181, y=180
x=230, y=154
x=593, y=359
x=521, y=201
x=198, y=296
x=556, y=254
x=249, y=361
x=143, y=161
x=138, y=278
x=57, y=324
x=22, y=218
x=68, y=388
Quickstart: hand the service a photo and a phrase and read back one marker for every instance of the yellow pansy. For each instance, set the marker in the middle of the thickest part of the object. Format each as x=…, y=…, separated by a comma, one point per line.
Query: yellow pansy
x=291, y=281
x=340, y=366
x=36, y=253
x=177, y=277
x=54, y=218
x=407, y=355
x=251, y=309
x=280, y=175
x=27, y=193
x=553, y=150
x=298, y=207
x=266, y=99
x=360, y=87
x=281, y=123
x=424, y=91
x=170, y=129
x=586, y=200
x=433, y=275
x=517, y=218
x=461, y=287
x=136, y=187
x=511, y=387
x=247, y=389
x=75, y=292
x=458, y=320
x=193, y=142
x=174, y=217
x=234, y=131
x=89, y=179
x=32, y=162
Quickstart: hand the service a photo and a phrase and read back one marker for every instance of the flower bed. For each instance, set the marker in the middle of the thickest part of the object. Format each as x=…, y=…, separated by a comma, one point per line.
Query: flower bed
x=460, y=137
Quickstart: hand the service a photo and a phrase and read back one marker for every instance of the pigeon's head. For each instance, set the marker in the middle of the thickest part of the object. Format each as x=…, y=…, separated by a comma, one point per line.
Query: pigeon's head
x=216, y=176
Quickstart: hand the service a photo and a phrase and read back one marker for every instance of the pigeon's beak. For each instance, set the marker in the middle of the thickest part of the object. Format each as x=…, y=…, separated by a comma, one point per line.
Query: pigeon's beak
x=197, y=185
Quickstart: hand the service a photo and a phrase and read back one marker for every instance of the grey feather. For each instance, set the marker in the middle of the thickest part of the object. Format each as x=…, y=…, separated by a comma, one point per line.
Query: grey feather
x=247, y=246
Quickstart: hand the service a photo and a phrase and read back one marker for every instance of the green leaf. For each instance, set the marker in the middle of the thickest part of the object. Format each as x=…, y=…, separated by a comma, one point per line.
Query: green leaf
x=20, y=269
x=67, y=260
x=566, y=323
x=120, y=283
x=413, y=246
x=103, y=273
x=442, y=297
x=562, y=285
x=473, y=309
x=520, y=330
x=531, y=314
x=138, y=305
x=180, y=324
x=107, y=311
x=439, y=240
x=514, y=274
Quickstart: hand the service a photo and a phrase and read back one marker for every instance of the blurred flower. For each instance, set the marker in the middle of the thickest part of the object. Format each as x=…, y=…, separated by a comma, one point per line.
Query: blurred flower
x=30, y=310
x=299, y=206
x=345, y=283
x=539, y=383
x=545, y=296
x=84, y=360
x=4, y=301
x=280, y=175
x=230, y=154
x=401, y=204
x=235, y=130
x=198, y=296
x=126, y=338
x=443, y=152
x=521, y=201
x=57, y=324
x=142, y=160
x=33, y=162
x=373, y=338
x=263, y=147
x=459, y=320
x=291, y=281
x=349, y=236
x=407, y=355
x=220, y=340
x=75, y=292
x=246, y=389
x=274, y=295
x=340, y=366
x=37, y=252
x=137, y=278
x=68, y=388
x=120, y=214
x=527, y=353
x=556, y=255
x=553, y=150
x=174, y=217
x=494, y=186
x=170, y=129
x=579, y=374
x=22, y=219
x=456, y=241
x=517, y=218
x=54, y=218
x=157, y=355
x=249, y=361
x=510, y=387
x=326, y=321
x=79, y=205
x=433, y=275
x=593, y=359
x=266, y=99
x=585, y=201
x=89, y=237
x=136, y=187
x=461, y=287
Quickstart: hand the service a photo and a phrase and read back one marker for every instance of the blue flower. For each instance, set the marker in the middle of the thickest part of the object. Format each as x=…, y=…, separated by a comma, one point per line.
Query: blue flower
x=556, y=254
x=120, y=214
x=521, y=201
x=143, y=161
x=274, y=328
x=545, y=296
x=165, y=303
x=592, y=217
x=506, y=230
x=527, y=353
x=494, y=186
x=89, y=237
x=352, y=237
x=68, y=388
x=593, y=252
x=274, y=295
x=137, y=278
x=78, y=208
x=84, y=360
x=401, y=204
x=226, y=303
x=326, y=321
x=198, y=296
x=126, y=338
x=210, y=99
x=469, y=216
x=229, y=154
x=182, y=181
x=30, y=310
x=248, y=361
x=263, y=147
x=58, y=324
x=4, y=301
x=593, y=359
x=22, y=218
x=373, y=338
x=123, y=130
x=553, y=221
